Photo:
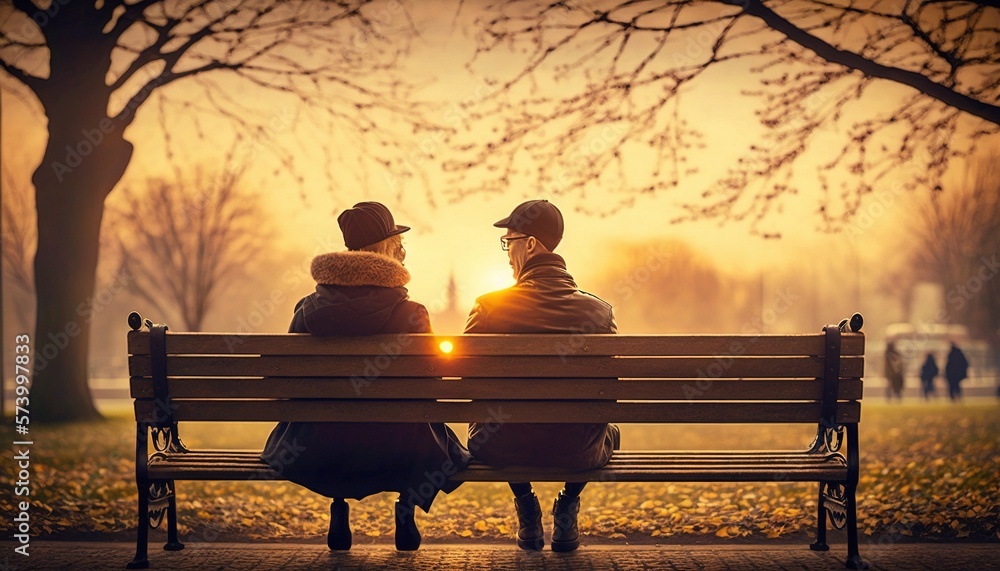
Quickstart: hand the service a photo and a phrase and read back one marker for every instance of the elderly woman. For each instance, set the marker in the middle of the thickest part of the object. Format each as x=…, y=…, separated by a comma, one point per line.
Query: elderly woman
x=361, y=292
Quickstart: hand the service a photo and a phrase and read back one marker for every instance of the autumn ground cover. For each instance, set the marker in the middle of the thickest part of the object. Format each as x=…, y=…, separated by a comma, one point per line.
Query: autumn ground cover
x=928, y=473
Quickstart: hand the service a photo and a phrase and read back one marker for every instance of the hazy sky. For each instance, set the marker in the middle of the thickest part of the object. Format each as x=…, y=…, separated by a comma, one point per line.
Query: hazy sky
x=459, y=236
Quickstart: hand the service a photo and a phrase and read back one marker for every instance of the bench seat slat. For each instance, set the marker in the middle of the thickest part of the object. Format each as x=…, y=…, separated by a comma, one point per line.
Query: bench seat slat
x=727, y=462
x=626, y=455
x=556, y=389
x=666, y=466
x=665, y=474
x=495, y=344
x=518, y=366
x=492, y=411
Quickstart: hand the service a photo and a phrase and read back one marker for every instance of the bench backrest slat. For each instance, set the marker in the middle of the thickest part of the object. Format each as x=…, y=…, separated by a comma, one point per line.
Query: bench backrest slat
x=499, y=411
x=496, y=366
x=493, y=344
x=499, y=389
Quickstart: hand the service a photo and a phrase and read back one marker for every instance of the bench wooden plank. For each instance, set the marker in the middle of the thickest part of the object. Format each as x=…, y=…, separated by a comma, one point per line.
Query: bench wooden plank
x=497, y=389
x=493, y=344
x=665, y=474
x=208, y=456
x=520, y=366
x=622, y=461
x=660, y=466
x=492, y=411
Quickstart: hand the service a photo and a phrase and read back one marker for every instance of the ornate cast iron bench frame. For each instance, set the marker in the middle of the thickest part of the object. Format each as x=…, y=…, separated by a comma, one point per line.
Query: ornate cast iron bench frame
x=734, y=379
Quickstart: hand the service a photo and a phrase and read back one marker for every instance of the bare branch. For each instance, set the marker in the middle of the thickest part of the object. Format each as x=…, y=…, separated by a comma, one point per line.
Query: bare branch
x=869, y=67
x=602, y=84
x=145, y=56
x=133, y=13
x=35, y=84
x=127, y=114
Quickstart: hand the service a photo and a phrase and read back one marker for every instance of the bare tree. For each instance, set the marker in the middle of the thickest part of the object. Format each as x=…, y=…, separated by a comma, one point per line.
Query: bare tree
x=18, y=242
x=18, y=232
x=181, y=242
x=615, y=73
x=333, y=59
x=954, y=240
x=17, y=238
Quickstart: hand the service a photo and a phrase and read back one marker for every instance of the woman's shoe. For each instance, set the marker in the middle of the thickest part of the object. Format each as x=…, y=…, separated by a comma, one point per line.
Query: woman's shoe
x=339, y=537
x=407, y=534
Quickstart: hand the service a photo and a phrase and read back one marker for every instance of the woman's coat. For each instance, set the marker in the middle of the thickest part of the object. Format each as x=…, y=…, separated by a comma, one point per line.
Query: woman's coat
x=363, y=293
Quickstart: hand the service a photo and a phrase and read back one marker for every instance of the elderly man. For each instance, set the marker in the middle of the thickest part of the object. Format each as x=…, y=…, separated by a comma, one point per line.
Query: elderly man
x=545, y=299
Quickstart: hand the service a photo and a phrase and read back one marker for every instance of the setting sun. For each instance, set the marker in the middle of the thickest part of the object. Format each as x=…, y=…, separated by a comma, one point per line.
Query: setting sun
x=498, y=278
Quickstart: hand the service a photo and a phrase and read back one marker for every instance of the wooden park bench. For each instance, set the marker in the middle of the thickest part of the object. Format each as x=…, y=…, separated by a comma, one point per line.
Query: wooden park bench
x=734, y=379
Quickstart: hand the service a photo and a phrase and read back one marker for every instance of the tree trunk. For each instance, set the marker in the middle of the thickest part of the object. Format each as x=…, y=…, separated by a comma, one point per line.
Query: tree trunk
x=82, y=165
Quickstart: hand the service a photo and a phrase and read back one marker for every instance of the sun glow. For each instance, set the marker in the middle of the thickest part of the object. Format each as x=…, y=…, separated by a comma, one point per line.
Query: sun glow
x=500, y=278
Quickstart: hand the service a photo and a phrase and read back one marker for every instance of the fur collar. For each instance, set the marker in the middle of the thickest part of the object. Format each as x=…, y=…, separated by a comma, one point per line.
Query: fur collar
x=359, y=269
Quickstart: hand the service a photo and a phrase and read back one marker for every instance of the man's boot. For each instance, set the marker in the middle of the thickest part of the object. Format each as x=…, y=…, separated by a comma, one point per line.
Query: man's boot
x=565, y=533
x=339, y=537
x=530, y=535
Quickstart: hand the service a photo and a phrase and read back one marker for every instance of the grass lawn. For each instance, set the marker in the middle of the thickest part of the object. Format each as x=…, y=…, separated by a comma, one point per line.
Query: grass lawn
x=929, y=472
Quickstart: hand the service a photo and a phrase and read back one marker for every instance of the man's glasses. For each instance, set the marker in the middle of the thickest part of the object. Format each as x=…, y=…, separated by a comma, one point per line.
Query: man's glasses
x=505, y=241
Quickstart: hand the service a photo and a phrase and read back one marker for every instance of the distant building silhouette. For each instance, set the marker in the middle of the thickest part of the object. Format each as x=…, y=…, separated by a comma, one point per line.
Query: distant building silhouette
x=451, y=319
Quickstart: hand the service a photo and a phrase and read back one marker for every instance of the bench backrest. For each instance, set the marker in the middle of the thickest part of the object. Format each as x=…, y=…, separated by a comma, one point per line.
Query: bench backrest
x=511, y=378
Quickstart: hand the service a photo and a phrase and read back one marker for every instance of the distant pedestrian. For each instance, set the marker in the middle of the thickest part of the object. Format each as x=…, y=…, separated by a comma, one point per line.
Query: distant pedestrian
x=893, y=372
x=956, y=370
x=927, y=374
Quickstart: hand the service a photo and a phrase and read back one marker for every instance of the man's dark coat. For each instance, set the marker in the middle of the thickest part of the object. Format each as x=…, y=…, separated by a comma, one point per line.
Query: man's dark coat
x=545, y=299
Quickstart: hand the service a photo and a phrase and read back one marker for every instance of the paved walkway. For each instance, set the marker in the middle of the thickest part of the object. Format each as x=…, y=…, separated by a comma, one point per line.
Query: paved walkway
x=445, y=557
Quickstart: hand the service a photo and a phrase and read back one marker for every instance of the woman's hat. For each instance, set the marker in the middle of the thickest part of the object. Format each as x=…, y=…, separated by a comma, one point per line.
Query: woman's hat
x=367, y=223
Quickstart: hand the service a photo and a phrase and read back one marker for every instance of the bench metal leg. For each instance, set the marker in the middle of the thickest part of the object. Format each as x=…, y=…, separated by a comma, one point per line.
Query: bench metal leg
x=141, y=560
x=820, y=544
x=838, y=503
x=854, y=560
x=172, y=542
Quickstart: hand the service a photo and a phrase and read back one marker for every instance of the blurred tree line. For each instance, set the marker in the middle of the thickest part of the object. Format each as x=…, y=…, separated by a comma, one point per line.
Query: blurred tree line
x=954, y=240
x=668, y=286
x=949, y=237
